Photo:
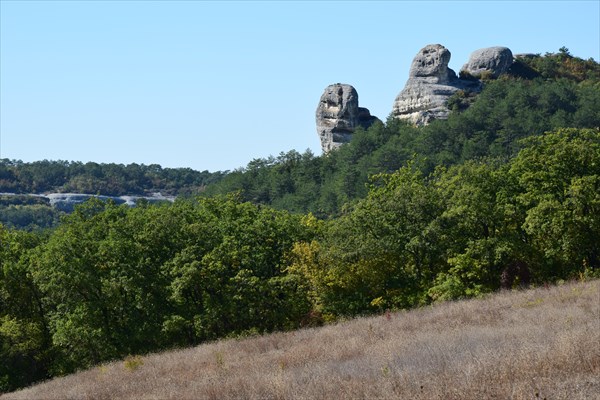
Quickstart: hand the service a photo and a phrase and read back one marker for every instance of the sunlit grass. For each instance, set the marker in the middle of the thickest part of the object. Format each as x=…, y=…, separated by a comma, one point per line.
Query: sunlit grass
x=540, y=343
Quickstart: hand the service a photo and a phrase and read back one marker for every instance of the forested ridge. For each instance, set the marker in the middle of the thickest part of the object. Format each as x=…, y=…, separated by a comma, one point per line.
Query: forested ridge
x=20, y=180
x=538, y=95
x=504, y=193
x=93, y=178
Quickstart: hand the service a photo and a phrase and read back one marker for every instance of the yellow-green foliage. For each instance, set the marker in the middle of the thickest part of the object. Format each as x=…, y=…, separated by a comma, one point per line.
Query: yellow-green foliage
x=131, y=363
x=113, y=280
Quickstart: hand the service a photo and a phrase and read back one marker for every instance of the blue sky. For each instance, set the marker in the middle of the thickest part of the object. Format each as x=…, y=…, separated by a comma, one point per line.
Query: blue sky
x=213, y=85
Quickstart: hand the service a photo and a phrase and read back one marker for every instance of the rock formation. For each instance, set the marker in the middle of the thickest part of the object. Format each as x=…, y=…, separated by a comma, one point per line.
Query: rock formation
x=430, y=84
x=67, y=201
x=424, y=98
x=491, y=60
x=338, y=115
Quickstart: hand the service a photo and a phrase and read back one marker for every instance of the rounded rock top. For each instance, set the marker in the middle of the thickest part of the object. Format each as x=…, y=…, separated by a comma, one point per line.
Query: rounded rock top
x=493, y=60
x=431, y=60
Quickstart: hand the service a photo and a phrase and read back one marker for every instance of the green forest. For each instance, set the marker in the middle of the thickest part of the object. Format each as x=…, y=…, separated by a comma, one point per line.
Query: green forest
x=503, y=194
x=18, y=180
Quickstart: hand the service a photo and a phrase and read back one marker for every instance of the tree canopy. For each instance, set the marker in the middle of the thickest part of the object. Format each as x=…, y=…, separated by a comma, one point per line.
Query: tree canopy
x=505, y=193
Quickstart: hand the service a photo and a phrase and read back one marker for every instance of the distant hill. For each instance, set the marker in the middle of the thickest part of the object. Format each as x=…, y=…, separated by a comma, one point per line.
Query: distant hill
x=539, y=93
x=24, y=187
x=535, y=344
x=103, y=179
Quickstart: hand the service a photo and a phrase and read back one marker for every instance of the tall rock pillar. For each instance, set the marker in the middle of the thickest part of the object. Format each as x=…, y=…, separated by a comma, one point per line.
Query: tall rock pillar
x=338, y=115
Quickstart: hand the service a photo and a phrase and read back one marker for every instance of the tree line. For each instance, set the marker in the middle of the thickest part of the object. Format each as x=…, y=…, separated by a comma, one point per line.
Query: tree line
x=504, y=193
x=542, y=93
x=35, y=213
x=539, y=94
x=107, y=179
x=112, y=280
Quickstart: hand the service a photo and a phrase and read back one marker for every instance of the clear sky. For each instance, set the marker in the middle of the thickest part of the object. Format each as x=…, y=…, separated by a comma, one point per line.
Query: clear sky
x=213, y=85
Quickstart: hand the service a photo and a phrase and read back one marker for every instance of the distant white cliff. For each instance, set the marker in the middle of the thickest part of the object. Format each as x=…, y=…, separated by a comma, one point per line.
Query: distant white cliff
x=67, y=201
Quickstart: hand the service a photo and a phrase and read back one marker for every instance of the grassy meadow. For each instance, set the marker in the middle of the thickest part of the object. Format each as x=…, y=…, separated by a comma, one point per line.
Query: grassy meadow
x=530, y=344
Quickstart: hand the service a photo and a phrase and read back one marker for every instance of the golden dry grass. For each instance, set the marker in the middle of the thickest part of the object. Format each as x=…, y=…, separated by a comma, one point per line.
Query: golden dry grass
x=540, y=343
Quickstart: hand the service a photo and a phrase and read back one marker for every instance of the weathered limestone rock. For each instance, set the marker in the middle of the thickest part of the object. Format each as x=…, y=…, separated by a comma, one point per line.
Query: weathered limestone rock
x=431, y=64
x=67, y=201
x=491, y=60
x=430, y=84
x=338, y=115
x=424, y=98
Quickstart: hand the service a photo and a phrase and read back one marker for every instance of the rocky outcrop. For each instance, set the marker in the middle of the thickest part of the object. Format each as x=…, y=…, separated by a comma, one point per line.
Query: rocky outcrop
x=431, y=65
x=491, y=61
x=338, y=115
x=424, y=98
x=67, y=201
x=430, y=84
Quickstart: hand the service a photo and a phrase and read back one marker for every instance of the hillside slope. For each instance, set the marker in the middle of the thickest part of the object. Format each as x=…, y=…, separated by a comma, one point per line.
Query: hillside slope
x=539, y=343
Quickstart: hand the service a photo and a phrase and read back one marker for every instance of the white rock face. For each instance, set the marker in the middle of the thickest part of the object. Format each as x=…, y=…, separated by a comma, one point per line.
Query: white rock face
x=430, y=84
x=421, y=102
x=493, y=60
x=338, y=115
x=428, y=87
x=431, y=64
x=68, y=201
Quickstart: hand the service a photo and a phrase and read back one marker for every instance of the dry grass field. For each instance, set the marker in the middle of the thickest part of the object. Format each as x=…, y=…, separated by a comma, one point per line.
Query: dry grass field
x=540, y=343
